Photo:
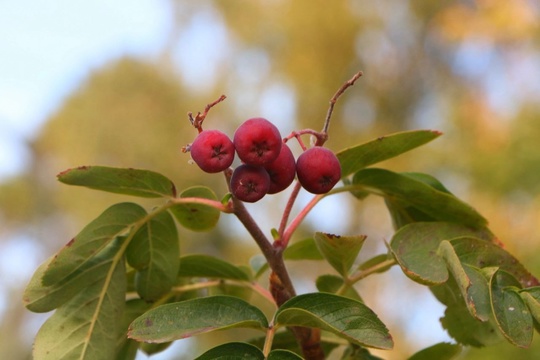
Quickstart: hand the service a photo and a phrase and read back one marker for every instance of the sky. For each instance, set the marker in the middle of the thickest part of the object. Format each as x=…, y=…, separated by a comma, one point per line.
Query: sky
x=48, y=47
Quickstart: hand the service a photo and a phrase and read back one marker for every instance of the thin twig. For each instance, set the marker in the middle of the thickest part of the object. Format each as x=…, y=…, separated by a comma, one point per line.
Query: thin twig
x=333, y=100
x=199, y=118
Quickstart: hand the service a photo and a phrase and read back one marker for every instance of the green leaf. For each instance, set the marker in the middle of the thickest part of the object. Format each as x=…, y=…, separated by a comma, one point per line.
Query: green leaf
x=436, y=204
x=112, y=223
x=233, y=351
x=511, y=313
x=127, y=348
x=154, y=251
x=285, y=340
x=468, y=330
x=376, y=261
x=383, y=148
x=303, y=250
x=346, y=318
x=300, y=250
x=209, y=267
x=470, y=281
x=402, y=212
x=415, y=248
x=332, y=284
x=355, y=352
x=481, y=254
x=41, y=298
x=87, y=326
x=531, y=296
x=142, y=183
x=281, y=354
x=440, y=351
x=192, y=317
x=195, y=216
x=339, y=251
x=258, y=265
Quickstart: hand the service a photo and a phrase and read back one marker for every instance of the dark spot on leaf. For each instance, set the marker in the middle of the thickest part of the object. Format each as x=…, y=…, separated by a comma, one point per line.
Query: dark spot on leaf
x=380, y=138
x=70, y=242
x=333, y=236
x=148, y=322
x=193, y=210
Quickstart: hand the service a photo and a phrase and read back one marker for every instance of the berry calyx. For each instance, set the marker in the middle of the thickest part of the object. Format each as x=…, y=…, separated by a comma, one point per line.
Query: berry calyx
x=213, y=151
x=282, y=170
x=318, y=170
x=250, y=183
x=257, y=141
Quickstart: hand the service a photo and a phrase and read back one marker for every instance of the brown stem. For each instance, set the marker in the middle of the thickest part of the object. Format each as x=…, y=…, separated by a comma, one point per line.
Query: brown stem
x=199, y=118
x=281, y=286
x=333, y=100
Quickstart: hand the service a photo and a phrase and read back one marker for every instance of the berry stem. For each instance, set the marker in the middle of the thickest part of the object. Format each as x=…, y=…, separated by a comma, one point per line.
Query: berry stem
x=298, y=220
x=225, y=208
x=321, y=140
x=287, y=212
x=199, y=118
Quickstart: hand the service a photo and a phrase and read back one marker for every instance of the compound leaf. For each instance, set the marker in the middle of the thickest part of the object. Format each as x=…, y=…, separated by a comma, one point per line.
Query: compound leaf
x=136, y=182
x=383, y=148
x=346, y=318
x=192, y=317
x=196, y=216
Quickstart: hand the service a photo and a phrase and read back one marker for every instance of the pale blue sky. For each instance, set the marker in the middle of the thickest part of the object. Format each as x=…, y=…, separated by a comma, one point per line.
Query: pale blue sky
x=48, y=47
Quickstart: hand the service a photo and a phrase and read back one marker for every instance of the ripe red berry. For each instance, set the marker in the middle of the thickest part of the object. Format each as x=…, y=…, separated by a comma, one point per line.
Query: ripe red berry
x=250, y=183
x=257, y=141
x=213, y=151
x=282, y=170
x=318, y=170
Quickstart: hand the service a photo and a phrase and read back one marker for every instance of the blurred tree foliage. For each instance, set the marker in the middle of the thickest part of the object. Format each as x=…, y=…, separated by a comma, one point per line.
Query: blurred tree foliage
x=468, y=68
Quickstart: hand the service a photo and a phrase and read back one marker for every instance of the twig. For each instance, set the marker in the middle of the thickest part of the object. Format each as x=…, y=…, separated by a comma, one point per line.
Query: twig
x=199, y=118
x=333, y=100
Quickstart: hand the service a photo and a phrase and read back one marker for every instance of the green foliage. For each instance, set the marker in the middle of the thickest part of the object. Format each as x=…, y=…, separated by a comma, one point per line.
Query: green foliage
x=122, y=283
x=344, y=317
x=134, y=182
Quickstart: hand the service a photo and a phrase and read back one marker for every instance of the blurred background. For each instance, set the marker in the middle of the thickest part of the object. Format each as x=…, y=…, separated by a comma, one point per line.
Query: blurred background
x=110, y=83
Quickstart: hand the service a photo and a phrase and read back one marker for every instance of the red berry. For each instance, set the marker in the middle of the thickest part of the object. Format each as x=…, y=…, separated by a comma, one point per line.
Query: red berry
x=318, y=170
x=213, y=151
x=257, y=141
x=250, y=183
x=282, y=170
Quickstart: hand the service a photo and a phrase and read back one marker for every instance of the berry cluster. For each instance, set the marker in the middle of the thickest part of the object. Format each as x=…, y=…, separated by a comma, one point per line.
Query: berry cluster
x=268, y=164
